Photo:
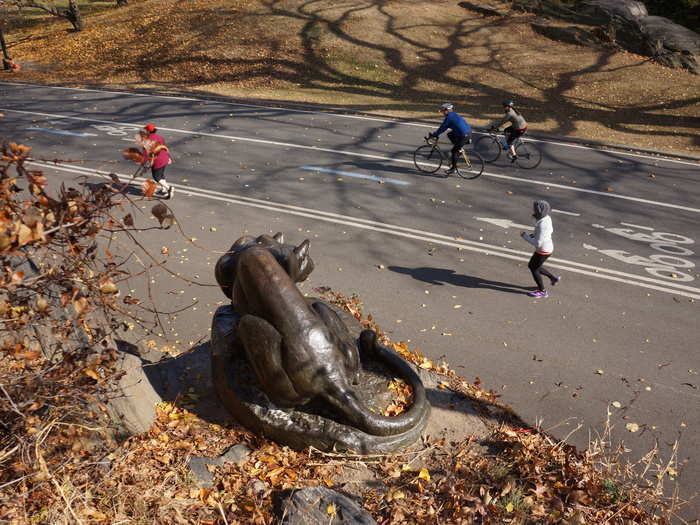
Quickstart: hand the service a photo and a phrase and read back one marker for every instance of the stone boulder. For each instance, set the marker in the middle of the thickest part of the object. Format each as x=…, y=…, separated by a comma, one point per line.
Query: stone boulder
x=622, y=23
x=484, y=8
x=603, y=12
x=671, y=44
x=570, y=35
x=321, y=506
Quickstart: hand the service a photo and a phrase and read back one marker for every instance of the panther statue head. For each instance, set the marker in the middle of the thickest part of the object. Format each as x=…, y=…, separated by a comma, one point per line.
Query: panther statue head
x=294, y=259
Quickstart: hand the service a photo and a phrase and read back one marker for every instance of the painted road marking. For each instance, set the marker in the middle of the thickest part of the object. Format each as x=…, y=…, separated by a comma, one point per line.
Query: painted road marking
x=566, y=212
x=503, y=223
x=637, y=226
x=342, y=115
x=401, y=231
x=357, y=175
x=370, y=156
x=63, y=132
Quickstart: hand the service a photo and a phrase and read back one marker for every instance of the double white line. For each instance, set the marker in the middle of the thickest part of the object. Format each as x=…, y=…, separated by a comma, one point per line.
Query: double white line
x=409, y=233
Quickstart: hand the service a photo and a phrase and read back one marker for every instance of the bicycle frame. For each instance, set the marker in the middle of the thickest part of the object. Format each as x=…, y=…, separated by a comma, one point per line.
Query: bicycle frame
x=435, y=142
x=502, y=140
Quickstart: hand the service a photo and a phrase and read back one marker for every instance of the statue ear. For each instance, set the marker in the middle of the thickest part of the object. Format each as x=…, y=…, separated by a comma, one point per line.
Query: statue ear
x=279, y=237
x=242, y=241
x=302, y=250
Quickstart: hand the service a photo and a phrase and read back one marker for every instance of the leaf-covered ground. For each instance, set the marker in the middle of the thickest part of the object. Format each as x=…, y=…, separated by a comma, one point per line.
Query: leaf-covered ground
x=396, y=57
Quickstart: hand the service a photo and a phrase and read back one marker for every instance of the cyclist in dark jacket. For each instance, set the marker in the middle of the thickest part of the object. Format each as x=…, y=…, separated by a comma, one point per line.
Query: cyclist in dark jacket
x=460, y=132
x=517, y=126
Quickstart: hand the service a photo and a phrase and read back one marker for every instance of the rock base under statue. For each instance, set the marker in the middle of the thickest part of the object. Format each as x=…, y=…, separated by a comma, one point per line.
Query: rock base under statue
x=311, y=424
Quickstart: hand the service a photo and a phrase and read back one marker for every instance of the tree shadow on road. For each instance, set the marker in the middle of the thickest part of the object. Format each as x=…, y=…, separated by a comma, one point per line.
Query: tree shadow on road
x=442, y=276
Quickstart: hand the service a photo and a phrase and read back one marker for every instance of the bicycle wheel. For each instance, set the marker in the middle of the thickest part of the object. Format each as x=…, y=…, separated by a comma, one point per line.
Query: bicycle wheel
x=470, y=165
x=427, y=158
x=529, y=156
x=488, y=147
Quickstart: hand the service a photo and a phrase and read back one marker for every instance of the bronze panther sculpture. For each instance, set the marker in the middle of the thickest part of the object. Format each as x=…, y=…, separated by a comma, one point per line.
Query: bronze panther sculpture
x=300, y=349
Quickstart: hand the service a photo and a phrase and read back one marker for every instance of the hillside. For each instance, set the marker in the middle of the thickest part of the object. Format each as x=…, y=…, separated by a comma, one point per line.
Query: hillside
x=395, y=57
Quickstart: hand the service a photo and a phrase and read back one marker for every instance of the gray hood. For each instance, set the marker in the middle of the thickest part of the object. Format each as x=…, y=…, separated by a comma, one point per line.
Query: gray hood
x=542, y=209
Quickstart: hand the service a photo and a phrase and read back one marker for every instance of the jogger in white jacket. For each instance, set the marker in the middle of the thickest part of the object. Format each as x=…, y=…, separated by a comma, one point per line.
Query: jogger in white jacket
x=544, y=247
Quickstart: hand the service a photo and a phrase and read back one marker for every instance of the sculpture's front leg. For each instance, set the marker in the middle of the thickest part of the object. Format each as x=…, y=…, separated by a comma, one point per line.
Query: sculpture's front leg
x=263, y=347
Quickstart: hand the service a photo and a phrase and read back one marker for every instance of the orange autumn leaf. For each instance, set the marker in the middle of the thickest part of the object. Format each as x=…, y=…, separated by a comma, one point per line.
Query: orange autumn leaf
x=148, y=188
x=133, y=154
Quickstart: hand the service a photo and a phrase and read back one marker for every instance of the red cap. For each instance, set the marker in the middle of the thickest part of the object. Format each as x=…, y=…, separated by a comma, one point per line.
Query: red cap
x=150, y=128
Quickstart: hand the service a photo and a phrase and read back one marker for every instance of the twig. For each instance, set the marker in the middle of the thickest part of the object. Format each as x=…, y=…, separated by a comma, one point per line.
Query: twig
x=15, y=408
x=221, y=510
x=44, y=468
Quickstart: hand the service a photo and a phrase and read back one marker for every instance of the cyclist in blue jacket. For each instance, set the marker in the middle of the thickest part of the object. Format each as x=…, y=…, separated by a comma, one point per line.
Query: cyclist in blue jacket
x=460, y=132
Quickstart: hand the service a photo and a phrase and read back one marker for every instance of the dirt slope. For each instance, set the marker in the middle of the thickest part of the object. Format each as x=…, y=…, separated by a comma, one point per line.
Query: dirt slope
x=398, y=57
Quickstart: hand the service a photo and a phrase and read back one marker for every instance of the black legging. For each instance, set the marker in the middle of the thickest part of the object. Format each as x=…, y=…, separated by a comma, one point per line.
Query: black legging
x=512, y=134
x=535, y=265
x=458, y=142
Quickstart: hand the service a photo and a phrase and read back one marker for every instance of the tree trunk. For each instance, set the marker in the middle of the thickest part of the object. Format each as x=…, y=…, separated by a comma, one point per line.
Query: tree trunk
x=6, y=57
x=74, y=15
x=71, y=13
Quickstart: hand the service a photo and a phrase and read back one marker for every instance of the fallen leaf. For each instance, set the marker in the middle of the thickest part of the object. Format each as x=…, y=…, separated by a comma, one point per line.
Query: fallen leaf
x=107, y=286
x=397, y=494
x=80, y=305
x=148, y=188
x=632, y=427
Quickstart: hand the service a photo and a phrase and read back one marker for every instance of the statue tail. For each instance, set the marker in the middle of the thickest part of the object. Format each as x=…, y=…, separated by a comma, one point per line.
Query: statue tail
x=347, y=402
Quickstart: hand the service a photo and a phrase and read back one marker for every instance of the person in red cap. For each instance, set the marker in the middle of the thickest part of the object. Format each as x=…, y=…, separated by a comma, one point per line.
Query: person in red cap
x=156, y=154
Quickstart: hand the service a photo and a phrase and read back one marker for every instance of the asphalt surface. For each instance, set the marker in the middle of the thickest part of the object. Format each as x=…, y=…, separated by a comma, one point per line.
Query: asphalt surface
x=437, y=261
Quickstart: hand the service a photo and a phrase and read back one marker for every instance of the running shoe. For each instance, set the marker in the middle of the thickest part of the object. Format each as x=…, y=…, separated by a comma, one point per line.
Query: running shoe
x=450, y=171
x=538, y=293
x=556, y=279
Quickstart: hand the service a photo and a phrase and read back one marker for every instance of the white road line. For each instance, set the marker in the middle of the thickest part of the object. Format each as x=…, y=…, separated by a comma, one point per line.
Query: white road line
x=239, y=104
x=369, y=156
x=342, y=115
x=357, y=175
x=62, y=132
x=637, y=226
x=566, y=212
x=507, y=253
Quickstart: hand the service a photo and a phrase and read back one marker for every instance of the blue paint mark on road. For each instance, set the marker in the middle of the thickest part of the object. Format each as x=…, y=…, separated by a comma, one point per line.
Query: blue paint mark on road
x=356, y=175
x=63, y=132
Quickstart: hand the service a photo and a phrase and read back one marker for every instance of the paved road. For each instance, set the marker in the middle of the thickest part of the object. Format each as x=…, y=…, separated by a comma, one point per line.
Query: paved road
x=437, y=261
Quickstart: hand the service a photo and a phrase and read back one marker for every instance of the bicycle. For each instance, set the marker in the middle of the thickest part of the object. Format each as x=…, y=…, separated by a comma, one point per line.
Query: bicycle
x=528, y=156
x=429, y=157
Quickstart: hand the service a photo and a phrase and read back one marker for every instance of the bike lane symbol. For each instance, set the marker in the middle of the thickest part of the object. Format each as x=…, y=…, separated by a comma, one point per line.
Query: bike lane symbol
x=667, y=265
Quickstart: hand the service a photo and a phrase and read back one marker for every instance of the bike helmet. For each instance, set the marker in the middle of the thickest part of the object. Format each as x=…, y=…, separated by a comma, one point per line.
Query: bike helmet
x=150, y=128
x=508, y=103
x=447, y=106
